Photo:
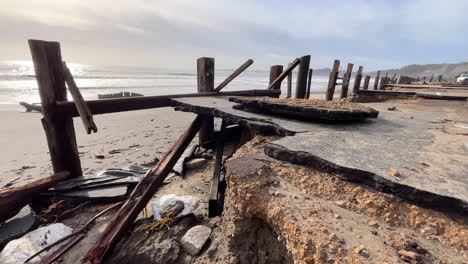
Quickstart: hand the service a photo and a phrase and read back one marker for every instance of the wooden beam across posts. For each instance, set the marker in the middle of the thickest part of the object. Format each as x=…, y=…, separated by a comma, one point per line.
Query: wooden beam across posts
x=233, y=75
x=357, y=80
x=14, y=198
x=140, y=196
x=214, y=201
x=301, y=81
x=366, y=82
x=346, y=79
x=309, y=83
x=83, y=110
x=205, y=73
x=285, y=73
x=115, y=105
x=275, y=71
x=332, y=81
x=59, y=129
x=289, y=91
x=376, y=82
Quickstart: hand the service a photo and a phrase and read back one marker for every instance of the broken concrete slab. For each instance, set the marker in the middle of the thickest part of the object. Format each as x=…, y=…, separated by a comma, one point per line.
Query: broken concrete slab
x=308, y=113
x=364, y=153
x=221, y=107
x=17, y=226
x=195, y=238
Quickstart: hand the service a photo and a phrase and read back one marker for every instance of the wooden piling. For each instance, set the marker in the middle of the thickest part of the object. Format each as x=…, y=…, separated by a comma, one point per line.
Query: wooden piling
x=284, y=74
x=376, y=82
x=301, y=81
x=289, y=91
x=214, y=199
x=357, y=80
x=332, y=81
x=346, y=79
x=309, y=82
x=366, y=83
x=275, y=71
x=381, y=82
x=59, y=129
x=205, y=73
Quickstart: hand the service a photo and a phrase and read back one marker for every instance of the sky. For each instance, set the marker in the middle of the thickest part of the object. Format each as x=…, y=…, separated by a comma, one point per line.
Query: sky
x=377, y=34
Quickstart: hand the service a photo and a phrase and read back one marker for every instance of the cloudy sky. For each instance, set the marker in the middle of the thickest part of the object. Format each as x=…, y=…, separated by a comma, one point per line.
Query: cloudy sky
x=173, y=33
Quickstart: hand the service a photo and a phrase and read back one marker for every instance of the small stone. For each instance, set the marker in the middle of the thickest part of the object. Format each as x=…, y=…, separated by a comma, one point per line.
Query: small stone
x=373, y=223
x=195, y=163
x=195, y=238
x=393, y=108
x=99, y=156
x=337, y=216
x=408, y=255
x=361, y=250
x=172, y=210
x=395, y=174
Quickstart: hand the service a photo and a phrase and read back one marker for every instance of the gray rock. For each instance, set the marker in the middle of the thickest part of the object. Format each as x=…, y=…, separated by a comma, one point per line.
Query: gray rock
x=172, y=210
x=18, y=225
x=195, y=238
x=195, y=163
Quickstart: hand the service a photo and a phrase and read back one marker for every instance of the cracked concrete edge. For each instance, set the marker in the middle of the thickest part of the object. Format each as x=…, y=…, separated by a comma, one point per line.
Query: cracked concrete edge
x=256, y=124
x=306, y=112
x=421, y=197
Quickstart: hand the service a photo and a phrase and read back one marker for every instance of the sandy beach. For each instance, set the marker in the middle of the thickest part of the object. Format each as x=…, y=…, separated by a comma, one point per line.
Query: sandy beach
x=137, y=136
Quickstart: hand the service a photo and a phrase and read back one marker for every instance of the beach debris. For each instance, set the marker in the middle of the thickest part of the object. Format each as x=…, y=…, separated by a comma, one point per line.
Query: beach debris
x=393, y=108
x=395, y=174
x=99, y=156
x=19, y=250
x=373, y=223
x=156, y=227
x=195, y=238
x=168, y=203
x=195, y=163
x=172, y=210
x=141, y=195
x=12, y=200
x=32, y=107
x=17, y=226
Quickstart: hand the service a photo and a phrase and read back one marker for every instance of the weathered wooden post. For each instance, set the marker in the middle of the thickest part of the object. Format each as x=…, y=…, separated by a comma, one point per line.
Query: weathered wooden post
x=376, y=82
x=431, y=78
x=357, y=80
x=59, y=129
x=332, y=81
x=366, y=82
x=346, y=79
x=275, y=71
x=301, y=81
x=289, y=91
x=205, y=75
x=382, y=82
x=309, y=83
x=439, y=78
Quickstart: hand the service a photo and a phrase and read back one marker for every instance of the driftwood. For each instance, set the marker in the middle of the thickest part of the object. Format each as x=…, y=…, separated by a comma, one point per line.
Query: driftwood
x=141, y=195
x=31, y=107
x=15, y=198
x=83, y=110
x=234, y=75
x=284, y=74
x=214, y=199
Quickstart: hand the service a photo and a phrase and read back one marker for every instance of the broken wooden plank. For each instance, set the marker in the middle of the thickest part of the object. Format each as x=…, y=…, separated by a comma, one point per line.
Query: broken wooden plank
x=301, y=81
x=31, y=107
x=309, y=82
x=213, y=202
x=285, y=73
x=357, y=80
x=83, y=110
x=59, y=129
x=233, y=75
x=205, y=77
x=275, y=71
x=346, y=79
x=15, y=198
x=141, y=195
x=332, y=81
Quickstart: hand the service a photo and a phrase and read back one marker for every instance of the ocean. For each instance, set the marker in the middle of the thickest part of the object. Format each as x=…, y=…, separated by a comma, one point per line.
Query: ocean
x=17, y=81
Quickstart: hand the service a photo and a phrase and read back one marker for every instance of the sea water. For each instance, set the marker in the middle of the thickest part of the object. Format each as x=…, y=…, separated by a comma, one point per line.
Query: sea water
x=18, y=82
